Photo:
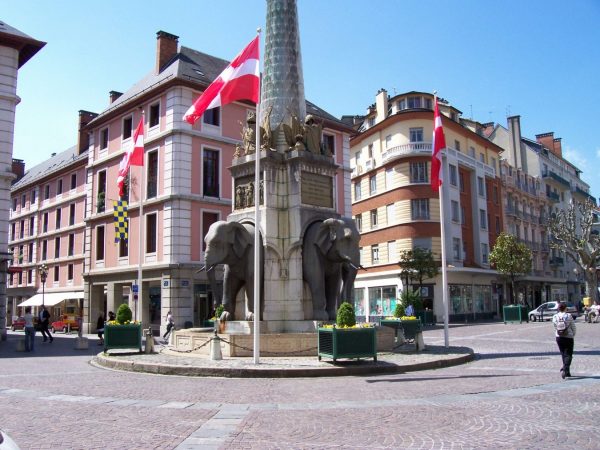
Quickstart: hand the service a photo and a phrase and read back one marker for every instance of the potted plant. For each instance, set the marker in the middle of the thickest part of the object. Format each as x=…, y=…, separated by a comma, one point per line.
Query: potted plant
x=122, y=332
x=346, y=339
x=211, y=322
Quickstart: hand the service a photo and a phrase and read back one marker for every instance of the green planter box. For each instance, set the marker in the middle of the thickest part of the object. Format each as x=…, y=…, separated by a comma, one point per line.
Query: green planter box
x=426, y=317
x=208, y=323
x=411, y=328
x=338, y=343
x=123, y=336
x=515, y=313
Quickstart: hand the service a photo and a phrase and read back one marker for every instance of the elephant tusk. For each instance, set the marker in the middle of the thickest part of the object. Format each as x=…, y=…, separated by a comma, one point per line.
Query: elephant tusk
x=201, y=269
x=210, y=268
x=362, y=267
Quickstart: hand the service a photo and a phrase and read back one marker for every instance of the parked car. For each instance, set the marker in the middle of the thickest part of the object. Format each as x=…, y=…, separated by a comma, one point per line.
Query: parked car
x=18, y=324
x=64, y=324
x=6, y=443
x=546, y=310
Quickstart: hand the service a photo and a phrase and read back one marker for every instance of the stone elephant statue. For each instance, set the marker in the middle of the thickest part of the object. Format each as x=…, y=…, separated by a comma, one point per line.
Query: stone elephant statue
x=232, y=244
x=330, y=260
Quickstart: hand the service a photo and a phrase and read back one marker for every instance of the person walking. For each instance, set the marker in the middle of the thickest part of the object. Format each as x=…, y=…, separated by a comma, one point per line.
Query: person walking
x=44, y=322
x=564, y=328
x=29, y=330
x=100, y=328
x=170, y=325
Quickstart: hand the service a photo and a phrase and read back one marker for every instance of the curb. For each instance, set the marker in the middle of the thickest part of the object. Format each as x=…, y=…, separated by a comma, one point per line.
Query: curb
x=349, y=369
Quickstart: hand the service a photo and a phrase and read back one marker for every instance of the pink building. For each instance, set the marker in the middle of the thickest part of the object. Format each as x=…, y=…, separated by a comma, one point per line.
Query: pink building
x=186, y=187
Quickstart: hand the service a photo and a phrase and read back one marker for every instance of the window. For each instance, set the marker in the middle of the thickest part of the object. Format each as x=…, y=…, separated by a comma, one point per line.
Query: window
x=389, y=178
x=127, y=127
x=30, y=276
x=210, y=171
x=44, y=250
x=370, y=150
x=372, y=185
x=212, y=117
x=428, y=103
x=22, y=229
x=480, y=187
x=329, y=144
x=101, y=199
x=416, y=134
x=461, y=181
x=455, y=210
x=46, y=192
x=453, y=175
x=21, y=254
x=70, y=272
x=23, y=200
x=374, y=218
x=31, y=225
x=371, y=121
x=123, y=248
x=420, y=209
x=482, y=158
x=73, y=181
x=375, y=253
x=357, y=191
x=33, y=196
x=472, y=152
x=482, y=219
x=20, y=277
x=56, y=274
x=497, y=225
x=208, y=218
x=484, y=253
x=388, y=141
x=151, y=233
x=152, y=185
x=391, y=213
x=418, y=172
x=104, y=138
x=58, y=218
x=45, y=223
x=358, y=221
x=72, y=214
x=13, y=231
x=154, y=115
x=402, y=104
x=414, y=102
x=14, y=204
x=456, y=249
x=357, y=157
x=30, y=252
x=57, y=247
x=424, y=243
x=392, y=251
x=457, y=145
x=59, y=187
x=100, y=243
x=71, y=248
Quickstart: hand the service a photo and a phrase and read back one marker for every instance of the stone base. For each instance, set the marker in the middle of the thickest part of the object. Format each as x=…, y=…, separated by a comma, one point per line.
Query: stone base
x=268, y=326
x=239, y=342
x=81, y=343
x=21, y=345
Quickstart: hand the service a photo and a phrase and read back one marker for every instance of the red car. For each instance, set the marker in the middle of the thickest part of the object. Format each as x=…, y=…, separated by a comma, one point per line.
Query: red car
x=18, y=324
x=64, y=324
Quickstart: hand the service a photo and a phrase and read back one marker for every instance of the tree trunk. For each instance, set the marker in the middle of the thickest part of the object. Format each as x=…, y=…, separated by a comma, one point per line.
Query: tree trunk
x=591, y=285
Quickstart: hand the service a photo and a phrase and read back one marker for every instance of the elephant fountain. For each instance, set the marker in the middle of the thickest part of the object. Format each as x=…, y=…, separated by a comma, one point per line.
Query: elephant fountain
x=330, y=260
x=232, y=244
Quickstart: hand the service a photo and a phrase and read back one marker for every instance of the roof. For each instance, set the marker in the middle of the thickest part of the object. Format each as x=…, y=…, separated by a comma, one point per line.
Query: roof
x=25, y=44
x=50, y=166
x=191, y=66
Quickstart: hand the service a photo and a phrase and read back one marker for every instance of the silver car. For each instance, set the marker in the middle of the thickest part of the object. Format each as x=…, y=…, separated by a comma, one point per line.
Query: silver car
x=6, y=443
x=546, y=310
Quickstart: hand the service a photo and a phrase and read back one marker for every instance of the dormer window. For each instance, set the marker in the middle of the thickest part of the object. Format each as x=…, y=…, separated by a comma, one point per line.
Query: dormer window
x=414, y=102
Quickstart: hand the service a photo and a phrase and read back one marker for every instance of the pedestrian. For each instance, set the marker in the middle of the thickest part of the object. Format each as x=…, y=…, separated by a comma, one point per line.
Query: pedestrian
x=44, y=322
x=410, y=311
x=170, y=325
x=111, y=316
x=100, y=328
x=564, y=326
x=29, y=330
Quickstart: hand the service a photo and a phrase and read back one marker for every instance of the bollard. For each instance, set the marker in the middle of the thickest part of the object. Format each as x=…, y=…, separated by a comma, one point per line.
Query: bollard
x=81, y=343
x=21, y=345
x=149, y=341
x=215, y=348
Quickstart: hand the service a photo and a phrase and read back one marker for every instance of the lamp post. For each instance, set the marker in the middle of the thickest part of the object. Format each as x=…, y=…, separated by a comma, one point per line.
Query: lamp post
x=43, y=271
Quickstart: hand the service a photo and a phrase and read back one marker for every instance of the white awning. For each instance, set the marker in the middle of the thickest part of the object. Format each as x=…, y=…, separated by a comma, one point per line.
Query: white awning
x=51, y=298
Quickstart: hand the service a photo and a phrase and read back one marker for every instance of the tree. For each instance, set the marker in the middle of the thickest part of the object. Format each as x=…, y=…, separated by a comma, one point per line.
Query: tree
x=417, y=264
x=511, y=258
x=572, y=232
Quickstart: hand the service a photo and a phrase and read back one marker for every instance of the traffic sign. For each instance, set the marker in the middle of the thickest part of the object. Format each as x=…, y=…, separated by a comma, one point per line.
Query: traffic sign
x=134, y=288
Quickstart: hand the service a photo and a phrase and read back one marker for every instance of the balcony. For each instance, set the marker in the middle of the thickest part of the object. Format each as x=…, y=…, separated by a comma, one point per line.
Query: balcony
x=553, y=196
x=557, y=261
x=410, y=149
x=584, y=194
x=550, y=175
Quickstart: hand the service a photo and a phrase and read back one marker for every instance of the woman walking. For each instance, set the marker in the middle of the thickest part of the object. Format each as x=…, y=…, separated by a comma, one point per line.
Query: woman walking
x=564, y=327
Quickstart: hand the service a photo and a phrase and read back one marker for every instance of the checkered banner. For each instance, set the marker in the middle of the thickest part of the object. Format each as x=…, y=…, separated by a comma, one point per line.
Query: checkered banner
x=121, y=222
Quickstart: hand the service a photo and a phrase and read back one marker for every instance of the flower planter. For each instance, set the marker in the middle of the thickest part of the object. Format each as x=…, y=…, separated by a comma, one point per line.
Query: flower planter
x=426, y=317
x=123, y=336
x=410, y=328
x=208, y=323
x=338, y=343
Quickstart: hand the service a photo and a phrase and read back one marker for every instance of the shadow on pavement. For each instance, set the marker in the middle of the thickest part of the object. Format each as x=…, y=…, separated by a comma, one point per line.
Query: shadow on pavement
x=396, y=380
x=480, y=356
x=63, y=345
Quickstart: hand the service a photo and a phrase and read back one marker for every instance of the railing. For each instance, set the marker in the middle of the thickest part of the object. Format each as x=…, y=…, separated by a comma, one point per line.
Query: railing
x=413, y=148
x=585, y=194
x=553, y=196
x=556, y=177
x=556, y=261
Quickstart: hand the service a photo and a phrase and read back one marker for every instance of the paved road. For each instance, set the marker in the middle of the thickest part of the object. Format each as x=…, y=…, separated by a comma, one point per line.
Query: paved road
x=512, y=396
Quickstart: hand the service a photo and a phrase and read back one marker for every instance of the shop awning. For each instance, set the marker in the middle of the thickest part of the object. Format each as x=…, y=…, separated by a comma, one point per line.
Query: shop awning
x=51, y=298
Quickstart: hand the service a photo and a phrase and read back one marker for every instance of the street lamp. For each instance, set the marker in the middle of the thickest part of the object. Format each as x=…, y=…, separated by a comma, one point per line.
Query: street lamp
x=43, y=271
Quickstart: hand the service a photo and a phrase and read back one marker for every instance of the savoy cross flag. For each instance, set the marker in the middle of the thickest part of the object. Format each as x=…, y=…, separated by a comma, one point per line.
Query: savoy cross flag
x=239, y=81
x=439, y=142
x=133, y=156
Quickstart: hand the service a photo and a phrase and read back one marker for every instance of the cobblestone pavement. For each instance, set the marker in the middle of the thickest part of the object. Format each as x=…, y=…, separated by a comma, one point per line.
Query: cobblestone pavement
x=511, y=396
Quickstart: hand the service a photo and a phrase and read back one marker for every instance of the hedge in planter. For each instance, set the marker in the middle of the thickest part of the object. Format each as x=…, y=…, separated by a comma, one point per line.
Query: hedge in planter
x=122, y=333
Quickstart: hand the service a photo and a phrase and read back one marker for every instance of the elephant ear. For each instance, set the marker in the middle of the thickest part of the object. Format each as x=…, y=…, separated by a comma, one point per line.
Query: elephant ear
x=241, y=239
x=327, y=235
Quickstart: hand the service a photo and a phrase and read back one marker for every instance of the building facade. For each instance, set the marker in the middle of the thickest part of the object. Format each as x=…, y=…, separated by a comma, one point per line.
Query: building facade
x=396, y=209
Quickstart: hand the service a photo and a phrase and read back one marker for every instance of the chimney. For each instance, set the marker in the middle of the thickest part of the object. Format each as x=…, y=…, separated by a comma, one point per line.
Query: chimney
x=18, y=168
x=381, y=105
x=557, y=147
x=516, y=157
x=166, y=48
x=113, y=95
x=83, y=140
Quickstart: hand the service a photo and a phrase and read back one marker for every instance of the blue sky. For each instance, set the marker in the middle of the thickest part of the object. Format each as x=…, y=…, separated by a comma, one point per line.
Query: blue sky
x=539, y=59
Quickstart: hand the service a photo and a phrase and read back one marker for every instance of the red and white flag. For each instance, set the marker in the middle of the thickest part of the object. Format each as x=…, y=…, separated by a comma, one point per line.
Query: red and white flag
x=239, y=81
x=439, y=142
x=133, y=157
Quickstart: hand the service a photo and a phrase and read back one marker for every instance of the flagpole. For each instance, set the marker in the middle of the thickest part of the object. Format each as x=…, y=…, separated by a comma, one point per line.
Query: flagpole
x=443, y=238
x=257, y=268
x=140, y=232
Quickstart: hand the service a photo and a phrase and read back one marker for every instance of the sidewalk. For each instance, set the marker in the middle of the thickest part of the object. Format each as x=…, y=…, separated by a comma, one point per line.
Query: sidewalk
x=169, y=362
